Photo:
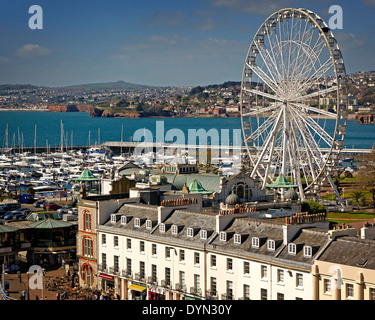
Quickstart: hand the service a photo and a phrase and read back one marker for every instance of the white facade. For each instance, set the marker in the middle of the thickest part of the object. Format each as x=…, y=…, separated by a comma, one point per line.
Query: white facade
x=194, y=262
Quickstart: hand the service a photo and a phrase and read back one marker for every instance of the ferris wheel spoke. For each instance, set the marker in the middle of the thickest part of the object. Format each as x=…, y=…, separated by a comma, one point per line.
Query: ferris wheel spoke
x=269, y=62
x=265, y=78
x=309, y=143
x=262, y=110
x=317, y=128
x=263, y=94
x=269, y=139
x=321, y=71
x=315, y=94
x=262, y=129
x=315, y=110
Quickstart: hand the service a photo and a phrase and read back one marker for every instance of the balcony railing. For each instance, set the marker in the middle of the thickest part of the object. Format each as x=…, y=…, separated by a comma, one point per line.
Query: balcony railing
x=166, y=284
x=114, y=271
x=196, y=291
x=152, y=280
x=102, y=267
x=226, y=296
x=127, y=273
x=139, y=276
x=211, y=294
x=180, y=287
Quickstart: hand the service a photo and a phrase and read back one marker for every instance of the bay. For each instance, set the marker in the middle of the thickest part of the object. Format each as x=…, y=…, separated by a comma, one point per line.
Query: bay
x=81, y=127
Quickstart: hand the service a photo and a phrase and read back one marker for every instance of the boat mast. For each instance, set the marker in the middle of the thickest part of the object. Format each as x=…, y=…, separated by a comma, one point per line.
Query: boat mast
x=35, y=140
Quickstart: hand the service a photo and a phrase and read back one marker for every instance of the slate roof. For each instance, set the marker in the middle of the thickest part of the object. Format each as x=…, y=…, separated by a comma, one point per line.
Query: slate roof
x=133, y=211
x=186, y=219
x=250, y=228
x=351, y=251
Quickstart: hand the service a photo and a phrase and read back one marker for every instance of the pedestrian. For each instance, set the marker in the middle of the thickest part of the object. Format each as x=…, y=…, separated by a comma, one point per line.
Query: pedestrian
x=36, y=297
x=24, y=294
x=58, y=296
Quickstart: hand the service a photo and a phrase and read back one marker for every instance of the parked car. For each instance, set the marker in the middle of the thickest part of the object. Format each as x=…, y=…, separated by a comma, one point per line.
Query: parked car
x=9, y=207
x=73, y=211
x=25, y=210
x=64, y=209
x=19, y=216
x=10, y=215
x=39, y=203
x=2, y=215
x=51, y=206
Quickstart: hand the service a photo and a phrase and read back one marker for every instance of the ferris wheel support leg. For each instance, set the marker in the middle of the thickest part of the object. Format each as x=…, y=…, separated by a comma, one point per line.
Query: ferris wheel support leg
x=337, y=194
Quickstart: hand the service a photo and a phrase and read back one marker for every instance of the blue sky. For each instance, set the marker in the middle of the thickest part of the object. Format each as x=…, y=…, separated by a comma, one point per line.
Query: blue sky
x=180, y=42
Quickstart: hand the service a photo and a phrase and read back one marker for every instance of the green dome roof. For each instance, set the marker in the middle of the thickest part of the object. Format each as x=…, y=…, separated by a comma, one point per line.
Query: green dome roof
x=281, y=182
x=86, y=175
x=196, y=187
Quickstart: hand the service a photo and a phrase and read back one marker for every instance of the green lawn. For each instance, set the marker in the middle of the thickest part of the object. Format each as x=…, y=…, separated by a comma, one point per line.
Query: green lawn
x=349, y=217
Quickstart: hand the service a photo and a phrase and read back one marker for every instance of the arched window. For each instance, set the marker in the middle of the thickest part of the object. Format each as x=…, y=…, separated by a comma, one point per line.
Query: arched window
x=87, y=220
x=87, y=274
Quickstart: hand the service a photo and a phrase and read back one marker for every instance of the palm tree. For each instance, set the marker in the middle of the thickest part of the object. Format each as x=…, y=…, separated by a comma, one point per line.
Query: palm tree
x=372, y=191
x=357, y=195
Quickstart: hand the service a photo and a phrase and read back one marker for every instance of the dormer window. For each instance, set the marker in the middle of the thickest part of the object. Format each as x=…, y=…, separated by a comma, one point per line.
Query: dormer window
x=307, y=251
x=223, y=236
x=271, y=244
x=190, y=232
x=255, y=242
x=113, y=218
x=124, y=220
x=174, y=229
x=148, y=224
x=292, y=248
x=237, y=239
x=137, y=222
x=203, y=234
x=162, y=227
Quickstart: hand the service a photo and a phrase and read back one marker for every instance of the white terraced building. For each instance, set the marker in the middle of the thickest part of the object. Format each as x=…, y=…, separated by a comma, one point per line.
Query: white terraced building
x=183, y=251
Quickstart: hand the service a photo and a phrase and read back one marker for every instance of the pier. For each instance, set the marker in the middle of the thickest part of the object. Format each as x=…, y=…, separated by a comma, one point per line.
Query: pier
x=129, y=147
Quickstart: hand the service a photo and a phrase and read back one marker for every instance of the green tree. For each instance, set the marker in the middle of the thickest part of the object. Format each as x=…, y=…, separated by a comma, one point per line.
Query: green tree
x=313, y=207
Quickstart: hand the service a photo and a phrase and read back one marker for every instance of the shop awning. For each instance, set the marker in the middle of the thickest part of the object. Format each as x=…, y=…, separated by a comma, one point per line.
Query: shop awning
x=136, y=287
x=105, y=276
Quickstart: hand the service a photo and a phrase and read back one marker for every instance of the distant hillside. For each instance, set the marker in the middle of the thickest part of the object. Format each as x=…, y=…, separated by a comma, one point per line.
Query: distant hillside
x=119, y=85
x=17, y=86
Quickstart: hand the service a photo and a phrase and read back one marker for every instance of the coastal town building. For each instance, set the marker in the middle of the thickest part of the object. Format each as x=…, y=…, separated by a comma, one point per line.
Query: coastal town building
x=174, y=248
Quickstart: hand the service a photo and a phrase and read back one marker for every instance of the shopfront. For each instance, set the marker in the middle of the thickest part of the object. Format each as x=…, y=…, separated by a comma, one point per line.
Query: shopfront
x=137, y=291
x=156, y=293
x=107, y=281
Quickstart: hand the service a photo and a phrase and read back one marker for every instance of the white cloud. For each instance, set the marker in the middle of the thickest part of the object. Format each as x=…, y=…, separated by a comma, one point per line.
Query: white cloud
x=31, y=51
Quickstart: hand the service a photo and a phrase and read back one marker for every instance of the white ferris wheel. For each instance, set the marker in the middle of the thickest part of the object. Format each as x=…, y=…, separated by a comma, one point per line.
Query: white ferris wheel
x=294, y=101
